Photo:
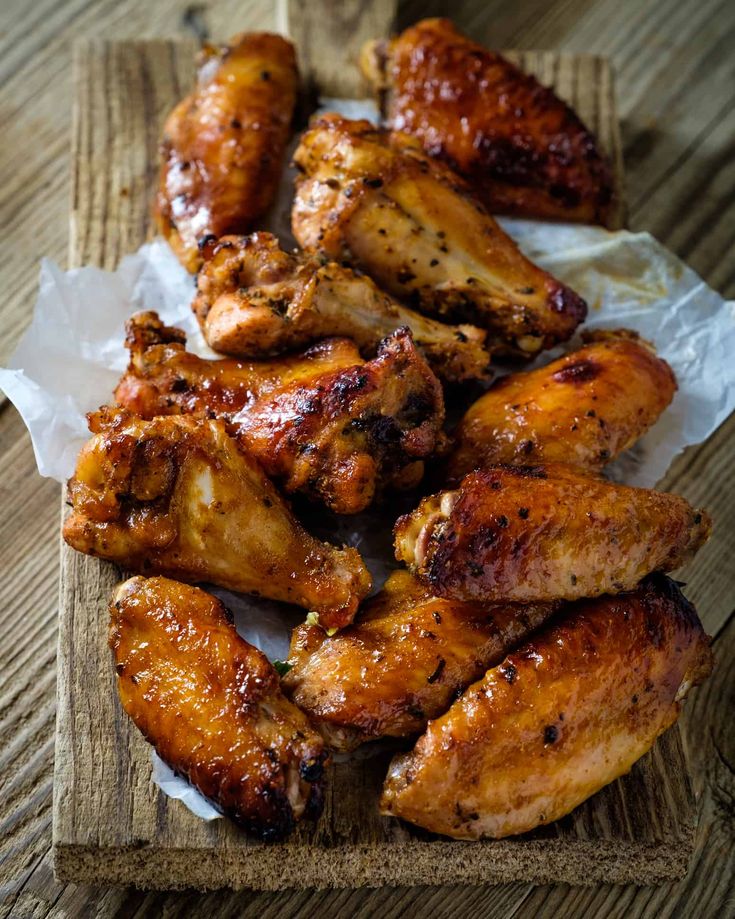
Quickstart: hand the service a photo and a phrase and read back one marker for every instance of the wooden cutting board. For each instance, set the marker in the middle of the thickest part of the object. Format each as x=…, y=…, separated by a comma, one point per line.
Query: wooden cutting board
x=111, y=824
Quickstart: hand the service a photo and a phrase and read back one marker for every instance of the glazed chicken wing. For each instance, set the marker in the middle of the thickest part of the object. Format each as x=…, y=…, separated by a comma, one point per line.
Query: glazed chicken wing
x=211, y=705
x=402, y=662
x=583, y=409
x=521, y=148
x=177, y=496
x=336, y=428
x=223, y=146
x=254, y=299
x=377, y=201
x=560, y=718
x=529, y=533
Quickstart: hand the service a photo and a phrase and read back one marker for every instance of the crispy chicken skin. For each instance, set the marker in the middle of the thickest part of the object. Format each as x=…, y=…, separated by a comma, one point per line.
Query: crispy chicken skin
x=255, y=299
x=177, y=496
x=561, y=717
x=521, y=148
x=529, y=533
x=212, y=706
x=402, y=662
x=377, y=201
x=584, y=409
x=223, y=145
x=163, y=378
x=339, y=435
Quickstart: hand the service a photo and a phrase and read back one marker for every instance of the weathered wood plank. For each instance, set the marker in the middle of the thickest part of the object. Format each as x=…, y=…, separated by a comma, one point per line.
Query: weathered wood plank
x=673, y=85
x=110, y=823
x=329, y=34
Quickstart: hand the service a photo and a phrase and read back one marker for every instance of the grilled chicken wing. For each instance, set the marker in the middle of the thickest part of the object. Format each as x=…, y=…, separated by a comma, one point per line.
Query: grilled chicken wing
x=253, y=299
x=521, y=148
x=410, y=223
x=583, y=409
x=528, y=533
x=337, y=428
x=223, y=146
x=560, y=718
x=177, y=496
x=211, y=705
x=402, y=662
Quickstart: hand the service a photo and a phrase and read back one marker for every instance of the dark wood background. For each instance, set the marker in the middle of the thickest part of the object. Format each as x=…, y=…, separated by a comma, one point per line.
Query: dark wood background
x=676, y=94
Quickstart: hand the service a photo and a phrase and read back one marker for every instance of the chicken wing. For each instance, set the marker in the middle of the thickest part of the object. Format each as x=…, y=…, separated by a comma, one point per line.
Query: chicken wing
x=177, y=496
x=521, y=148
x=377, y=201
x=211, y=705
x=253, y=299
x=583, y=409
x=560, y=718
x=223, y=146
x=402, y=662
x=529, y=533
x=339, y=435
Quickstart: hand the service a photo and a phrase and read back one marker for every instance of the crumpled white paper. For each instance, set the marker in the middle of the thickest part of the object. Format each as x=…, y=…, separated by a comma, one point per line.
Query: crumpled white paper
x=72, y=355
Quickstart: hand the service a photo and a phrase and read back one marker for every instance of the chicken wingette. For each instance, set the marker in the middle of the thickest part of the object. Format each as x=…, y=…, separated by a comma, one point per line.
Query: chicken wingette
x=177, y=496
x=212, y=706
x=254, y=299
x=402, y=662
x=529, y=533
x=335, y=428
x=223, y=146
x=522, y=149
x=377, y=201
x=583, y=409
x=560, y=718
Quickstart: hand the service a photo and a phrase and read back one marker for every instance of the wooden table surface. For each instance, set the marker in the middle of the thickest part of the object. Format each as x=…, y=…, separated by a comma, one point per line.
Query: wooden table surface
x=676, y=94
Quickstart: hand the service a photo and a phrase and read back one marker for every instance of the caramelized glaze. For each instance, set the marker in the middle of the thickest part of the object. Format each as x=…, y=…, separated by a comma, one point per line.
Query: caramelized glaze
x=522, y=150
x=223, y=146
x=211, y=705
x=177, y=496
x=528, y=533
x=584, y=409
x=402, y=662
x=567, y=713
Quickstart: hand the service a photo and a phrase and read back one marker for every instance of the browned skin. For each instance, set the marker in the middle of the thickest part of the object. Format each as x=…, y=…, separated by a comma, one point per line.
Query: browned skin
x=377, y=201
x=521, y=148
x=560, y=718
x=255, y=299
x=177, y=496
x=336, y=428
x=223, y=146
x=402, y=662
x=583, y=409
x=163, y=378
x=211, y=704
x=529, y=533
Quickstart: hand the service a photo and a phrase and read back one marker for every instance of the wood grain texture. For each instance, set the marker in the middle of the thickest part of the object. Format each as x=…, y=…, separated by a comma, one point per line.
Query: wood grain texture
x=675, y=77
x=329, y=34
x=111, y=824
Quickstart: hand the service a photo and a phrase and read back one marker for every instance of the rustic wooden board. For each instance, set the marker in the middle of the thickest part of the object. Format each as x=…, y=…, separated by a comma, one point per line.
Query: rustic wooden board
x=111, y=825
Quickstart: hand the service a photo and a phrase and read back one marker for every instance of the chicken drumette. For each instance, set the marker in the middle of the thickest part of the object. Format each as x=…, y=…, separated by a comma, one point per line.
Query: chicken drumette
x=529, y=533
x=583, y=409
x=178, y=496
x=402, y=662
x=522, y=149
x=255, y=299
x=376, y=200
x=223, y=146
x=211, y=705
x=324, y=423
x=560, y=718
